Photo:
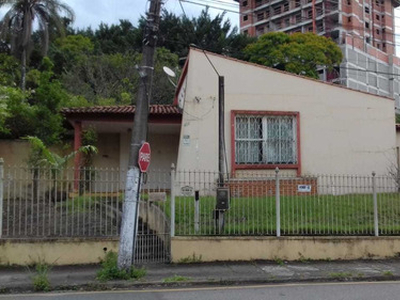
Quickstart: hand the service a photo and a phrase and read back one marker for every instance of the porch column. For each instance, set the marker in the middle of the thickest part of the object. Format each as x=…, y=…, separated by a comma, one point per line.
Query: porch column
x=77, y=145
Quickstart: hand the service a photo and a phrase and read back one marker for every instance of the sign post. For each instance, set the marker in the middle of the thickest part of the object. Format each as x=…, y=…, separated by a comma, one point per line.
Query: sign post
x=143, y=163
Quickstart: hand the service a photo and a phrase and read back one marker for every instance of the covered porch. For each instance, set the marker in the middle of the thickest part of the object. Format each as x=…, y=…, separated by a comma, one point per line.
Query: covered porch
x=114, y=125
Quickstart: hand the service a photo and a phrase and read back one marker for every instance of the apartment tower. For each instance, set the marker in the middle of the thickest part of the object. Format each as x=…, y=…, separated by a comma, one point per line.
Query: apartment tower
x=364, y=30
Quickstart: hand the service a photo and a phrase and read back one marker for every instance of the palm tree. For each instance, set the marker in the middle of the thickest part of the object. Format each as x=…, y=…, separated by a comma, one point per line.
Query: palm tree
x=19, y=21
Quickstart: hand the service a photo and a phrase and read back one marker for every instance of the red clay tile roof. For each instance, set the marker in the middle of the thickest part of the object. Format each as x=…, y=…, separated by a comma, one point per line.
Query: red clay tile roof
x=157, y=109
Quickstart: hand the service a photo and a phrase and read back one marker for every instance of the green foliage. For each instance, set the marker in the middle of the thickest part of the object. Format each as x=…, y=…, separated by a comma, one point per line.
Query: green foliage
x=19, y=20
x=9, y=70
x=41, y=281
x=110, y=271
x=213, y=34
x=75, y=45
x=387, y=273
x=81, y=204
x=78, y=101
x=102, y=79
x=43, y=156
x=341, y=275
x=17, y=117
x=111, y=79
x=4, y=113
x=163, y=91
x=299, y=53
x=89, y=137
x=191, y=259
x=36, y=112
x=117, y=38
x=345, y=217
x=49, y=97
x=279, y=261
x=91, y=67
x=66, y=51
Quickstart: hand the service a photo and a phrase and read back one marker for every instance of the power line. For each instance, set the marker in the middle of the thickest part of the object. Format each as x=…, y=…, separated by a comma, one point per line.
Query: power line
x=215, y=7
x=233, y=4
x=183, y=10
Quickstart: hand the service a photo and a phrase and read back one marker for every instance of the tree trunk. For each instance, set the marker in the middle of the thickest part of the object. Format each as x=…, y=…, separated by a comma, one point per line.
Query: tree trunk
x=23, y=70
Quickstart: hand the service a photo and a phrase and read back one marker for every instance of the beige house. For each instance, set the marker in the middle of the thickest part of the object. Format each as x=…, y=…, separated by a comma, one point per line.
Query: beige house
x=277, y=119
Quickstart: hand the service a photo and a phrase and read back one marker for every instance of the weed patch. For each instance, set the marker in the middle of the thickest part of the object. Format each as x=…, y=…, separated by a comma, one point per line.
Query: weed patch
x=175, y=278
x=110, y=271
x=40, y=280
x=341, y=275
x=190, y=259
x=387, y=273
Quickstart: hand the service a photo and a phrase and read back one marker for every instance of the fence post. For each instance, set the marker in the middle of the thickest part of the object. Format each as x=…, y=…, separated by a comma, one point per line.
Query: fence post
x=196, y=211
x=376, y=226
x=1, y=195
x=173, y=200
x=277, y=203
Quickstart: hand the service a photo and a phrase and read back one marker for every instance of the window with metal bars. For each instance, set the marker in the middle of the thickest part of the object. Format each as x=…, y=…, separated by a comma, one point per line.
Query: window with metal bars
x=265, y=139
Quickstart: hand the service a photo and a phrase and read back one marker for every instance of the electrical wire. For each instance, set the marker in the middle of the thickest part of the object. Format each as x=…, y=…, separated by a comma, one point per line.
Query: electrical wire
x=211, y=6
x=183, y=10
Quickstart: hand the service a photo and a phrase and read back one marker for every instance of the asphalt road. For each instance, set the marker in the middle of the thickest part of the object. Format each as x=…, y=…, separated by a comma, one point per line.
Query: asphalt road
x=320, y=291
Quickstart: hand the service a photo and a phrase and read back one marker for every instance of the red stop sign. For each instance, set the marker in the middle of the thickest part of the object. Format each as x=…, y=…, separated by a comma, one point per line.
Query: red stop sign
x=144, y=157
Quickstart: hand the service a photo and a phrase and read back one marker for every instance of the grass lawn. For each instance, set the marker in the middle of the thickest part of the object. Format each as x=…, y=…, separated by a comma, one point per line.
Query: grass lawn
x=300, y=215
x=350, y=214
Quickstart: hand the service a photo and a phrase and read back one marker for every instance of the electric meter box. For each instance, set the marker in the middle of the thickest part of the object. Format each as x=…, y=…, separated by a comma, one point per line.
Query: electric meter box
x=222, y=198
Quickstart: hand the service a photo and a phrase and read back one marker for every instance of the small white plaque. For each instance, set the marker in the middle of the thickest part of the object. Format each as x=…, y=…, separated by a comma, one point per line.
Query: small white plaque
x=186, y=140
x=187, y=190
x=304, y=188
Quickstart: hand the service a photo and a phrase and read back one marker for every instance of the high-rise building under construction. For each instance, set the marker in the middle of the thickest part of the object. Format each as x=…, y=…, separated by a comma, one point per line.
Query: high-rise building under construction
x=364, y=30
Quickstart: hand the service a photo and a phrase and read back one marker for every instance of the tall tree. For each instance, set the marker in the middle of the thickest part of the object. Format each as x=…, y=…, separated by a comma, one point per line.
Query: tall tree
x=299, y=53
x=216, y=34
x=17, y=24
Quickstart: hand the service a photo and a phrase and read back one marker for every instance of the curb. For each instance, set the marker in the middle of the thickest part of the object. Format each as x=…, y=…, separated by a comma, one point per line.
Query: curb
x=124, y=285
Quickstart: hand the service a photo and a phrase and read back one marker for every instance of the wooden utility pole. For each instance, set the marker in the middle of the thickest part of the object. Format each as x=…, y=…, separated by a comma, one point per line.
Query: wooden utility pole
x=139, y=135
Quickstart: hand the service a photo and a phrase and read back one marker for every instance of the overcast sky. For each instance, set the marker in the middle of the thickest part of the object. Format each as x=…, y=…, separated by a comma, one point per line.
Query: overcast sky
x=93, y=12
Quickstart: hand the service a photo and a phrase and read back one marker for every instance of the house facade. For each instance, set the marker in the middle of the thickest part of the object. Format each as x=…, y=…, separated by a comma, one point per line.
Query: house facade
x=276, y=119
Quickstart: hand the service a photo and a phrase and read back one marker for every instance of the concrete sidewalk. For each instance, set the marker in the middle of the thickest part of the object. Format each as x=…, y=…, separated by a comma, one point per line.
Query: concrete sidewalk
x=13, y=280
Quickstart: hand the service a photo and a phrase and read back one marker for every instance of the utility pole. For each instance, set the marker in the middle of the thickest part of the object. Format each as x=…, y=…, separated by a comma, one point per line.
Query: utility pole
x=139, y=135
x=221, y=128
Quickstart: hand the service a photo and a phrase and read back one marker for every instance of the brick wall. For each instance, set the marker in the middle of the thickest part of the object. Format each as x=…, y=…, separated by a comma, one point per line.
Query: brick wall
x=267, y=187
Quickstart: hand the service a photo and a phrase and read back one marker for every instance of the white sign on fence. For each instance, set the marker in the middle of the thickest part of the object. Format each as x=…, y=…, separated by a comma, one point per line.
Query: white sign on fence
x=187, y=191
x=304, y=188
